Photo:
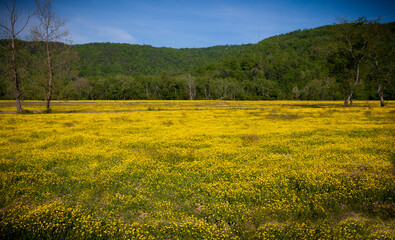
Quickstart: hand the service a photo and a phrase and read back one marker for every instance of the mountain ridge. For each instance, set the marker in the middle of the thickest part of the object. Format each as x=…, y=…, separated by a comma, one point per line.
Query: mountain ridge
x=301, y=64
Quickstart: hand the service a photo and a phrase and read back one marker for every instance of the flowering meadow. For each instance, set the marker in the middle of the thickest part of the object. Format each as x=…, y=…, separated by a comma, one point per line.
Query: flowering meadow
x=197, y=170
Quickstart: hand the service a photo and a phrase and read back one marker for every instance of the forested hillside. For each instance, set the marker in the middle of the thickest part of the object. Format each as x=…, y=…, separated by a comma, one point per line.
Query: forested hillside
x=271, y=68
x=109, y=59
x=304, y=64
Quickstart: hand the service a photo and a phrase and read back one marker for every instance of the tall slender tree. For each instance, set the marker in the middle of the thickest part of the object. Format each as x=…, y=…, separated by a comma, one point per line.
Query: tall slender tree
x=357, y=40
x=191, y=85
x=10, y=30
x=49, y=32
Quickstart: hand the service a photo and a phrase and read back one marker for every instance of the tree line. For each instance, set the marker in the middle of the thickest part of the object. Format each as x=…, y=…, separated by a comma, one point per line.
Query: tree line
x=346, y=61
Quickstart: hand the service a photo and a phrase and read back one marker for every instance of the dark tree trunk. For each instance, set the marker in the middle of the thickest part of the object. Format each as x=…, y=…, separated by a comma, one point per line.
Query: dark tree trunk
x=381, y=96
x=379, y=90
x=349, y=97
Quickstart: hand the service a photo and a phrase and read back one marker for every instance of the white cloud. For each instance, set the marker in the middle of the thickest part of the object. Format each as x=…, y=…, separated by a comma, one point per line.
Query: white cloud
x=117, y=35
x=84, y=31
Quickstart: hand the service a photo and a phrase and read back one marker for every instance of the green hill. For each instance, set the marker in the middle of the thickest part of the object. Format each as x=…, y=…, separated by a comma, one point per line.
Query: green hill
x=109, y=59
x=304, y=64
x=277, y=64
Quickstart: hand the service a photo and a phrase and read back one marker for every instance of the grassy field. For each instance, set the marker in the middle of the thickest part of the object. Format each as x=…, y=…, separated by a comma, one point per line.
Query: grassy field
x=197, y=170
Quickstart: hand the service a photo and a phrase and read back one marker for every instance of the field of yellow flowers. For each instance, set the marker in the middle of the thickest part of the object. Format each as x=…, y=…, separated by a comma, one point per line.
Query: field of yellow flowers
x=197, y=170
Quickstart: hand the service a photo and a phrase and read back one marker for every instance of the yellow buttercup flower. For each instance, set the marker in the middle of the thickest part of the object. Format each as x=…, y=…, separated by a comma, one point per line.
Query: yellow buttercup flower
x=198, y=170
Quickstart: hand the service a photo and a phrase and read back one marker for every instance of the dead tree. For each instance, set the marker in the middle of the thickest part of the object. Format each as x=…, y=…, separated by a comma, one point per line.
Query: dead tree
x=49, y=31
x=191, y=87
x=10, y=31
x=357, y=38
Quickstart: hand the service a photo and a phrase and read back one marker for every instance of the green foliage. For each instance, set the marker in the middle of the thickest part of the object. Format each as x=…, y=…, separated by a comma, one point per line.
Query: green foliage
x=110, y=59
x=305, y=64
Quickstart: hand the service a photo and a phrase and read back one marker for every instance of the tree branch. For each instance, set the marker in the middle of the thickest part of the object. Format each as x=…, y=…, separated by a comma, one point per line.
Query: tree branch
x=27, y=21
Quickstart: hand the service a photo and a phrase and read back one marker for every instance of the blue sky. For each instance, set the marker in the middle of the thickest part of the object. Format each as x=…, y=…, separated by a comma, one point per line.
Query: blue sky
x=202, y=23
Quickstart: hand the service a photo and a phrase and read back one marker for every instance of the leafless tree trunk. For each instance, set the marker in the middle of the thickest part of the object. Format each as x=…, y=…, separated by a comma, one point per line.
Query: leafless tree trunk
x=15, y=77
x=349, y=97
x=358, y=40
x=9, y=31
x=377, y=70
x=50, y=31
x=207, y=93
x=380, y=92
x=147, y=91
x=357, y=58
x=50, y=75
x=295, y=93
x=191, y=87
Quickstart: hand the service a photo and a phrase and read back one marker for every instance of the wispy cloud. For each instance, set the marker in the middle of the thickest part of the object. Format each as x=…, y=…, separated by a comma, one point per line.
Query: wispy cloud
x=189, y=23
x=116, y=35
x=85, y=31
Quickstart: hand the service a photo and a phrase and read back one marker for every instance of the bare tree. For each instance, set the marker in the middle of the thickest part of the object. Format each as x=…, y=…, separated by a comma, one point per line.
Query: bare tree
x=205, y=84
x=224, y=88
x=9, y=30
x=295, y=93
x=357, y=40
x=191, y=87
x=49, y=32
x=379, y=75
